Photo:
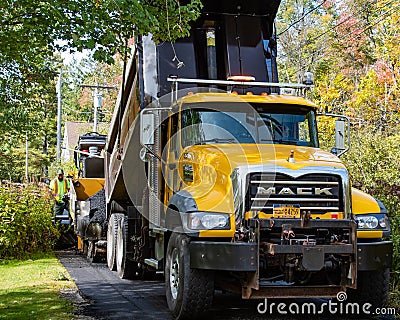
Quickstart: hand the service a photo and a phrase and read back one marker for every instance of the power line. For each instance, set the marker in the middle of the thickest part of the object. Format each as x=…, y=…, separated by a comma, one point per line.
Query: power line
x=302, y=17
x=76, y=111
x=342, y=22
x=374, y=24
x=348, y=18
x=371, y=24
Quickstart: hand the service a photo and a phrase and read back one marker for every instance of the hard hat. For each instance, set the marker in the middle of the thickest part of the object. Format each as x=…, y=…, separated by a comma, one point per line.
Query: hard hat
x=60, y=171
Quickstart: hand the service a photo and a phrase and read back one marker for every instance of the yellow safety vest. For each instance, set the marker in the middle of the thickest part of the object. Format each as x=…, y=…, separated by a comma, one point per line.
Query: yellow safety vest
x=59, y=188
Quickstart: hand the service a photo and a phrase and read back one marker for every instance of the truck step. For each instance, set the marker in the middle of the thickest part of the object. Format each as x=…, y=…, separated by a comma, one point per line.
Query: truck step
x=152, y=262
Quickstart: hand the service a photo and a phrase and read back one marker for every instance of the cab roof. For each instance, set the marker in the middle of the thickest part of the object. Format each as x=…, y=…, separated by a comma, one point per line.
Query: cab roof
x=249, y=98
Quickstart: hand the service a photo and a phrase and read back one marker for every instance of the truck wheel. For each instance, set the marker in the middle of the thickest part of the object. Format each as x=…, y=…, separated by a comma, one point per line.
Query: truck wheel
x=92, y=255
x=189, y=291
x=126, y=269
x=372, y=287
x=90, y=251
x=85, y=246
x=112, y=239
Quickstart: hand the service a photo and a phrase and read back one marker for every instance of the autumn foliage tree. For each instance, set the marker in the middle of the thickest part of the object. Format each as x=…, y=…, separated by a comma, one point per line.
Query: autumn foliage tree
x=352, y=47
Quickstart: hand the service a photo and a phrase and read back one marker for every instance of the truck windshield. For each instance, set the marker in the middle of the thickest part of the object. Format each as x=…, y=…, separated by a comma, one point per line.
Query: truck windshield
x=242, y=123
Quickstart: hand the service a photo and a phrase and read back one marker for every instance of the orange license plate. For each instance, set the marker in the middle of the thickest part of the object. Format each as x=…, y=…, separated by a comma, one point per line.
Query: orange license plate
x=286, y=211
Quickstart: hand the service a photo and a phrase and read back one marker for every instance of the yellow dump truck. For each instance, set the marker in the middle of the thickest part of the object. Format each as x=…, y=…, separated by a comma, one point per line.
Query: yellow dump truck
x=214, y=176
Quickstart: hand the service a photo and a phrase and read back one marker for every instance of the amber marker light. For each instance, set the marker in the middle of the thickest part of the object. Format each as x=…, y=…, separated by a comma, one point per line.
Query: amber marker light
x=241, y=78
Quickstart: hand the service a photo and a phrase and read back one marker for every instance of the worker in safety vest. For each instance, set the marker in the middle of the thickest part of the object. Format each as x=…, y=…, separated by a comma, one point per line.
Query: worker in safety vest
x=59, y=187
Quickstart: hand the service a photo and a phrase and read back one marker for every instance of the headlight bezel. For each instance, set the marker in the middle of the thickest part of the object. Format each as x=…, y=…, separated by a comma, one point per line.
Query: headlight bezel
x=208, y=221
x=372, y=221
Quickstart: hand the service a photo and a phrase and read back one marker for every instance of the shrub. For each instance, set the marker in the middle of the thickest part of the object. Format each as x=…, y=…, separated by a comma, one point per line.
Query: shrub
x=25, y=221
x=374, y=168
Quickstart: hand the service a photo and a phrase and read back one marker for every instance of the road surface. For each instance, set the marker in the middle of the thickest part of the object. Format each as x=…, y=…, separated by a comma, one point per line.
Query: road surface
x=107, y=296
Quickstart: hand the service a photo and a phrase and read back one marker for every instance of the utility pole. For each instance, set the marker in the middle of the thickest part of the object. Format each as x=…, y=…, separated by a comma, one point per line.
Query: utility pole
x=97, y=101
x=59, y=115
x=26, y=157
x=44, y=139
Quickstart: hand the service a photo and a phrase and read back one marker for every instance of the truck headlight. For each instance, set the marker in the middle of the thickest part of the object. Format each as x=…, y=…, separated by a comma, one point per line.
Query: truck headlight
x=208, y=220
x=372, y=221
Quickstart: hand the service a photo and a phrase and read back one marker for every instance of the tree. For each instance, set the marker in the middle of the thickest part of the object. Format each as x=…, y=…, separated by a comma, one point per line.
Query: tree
x=78, y=101
x=104, y=26
x=27, y=106
x=33, y=30
x=299, y=24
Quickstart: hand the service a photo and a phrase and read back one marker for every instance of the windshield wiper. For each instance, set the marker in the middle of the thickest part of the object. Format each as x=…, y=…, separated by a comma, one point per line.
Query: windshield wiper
x=282, y=141
x=217, y=140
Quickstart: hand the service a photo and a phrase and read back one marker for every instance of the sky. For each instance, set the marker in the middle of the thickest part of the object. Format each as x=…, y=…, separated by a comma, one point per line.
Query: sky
x=68, y=57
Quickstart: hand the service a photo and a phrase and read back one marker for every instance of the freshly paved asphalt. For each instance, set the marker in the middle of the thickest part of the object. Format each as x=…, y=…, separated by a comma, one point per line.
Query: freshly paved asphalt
x=107, y=296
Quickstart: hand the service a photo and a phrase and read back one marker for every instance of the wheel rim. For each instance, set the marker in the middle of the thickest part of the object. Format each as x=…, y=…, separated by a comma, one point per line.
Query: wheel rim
x=174, y=274
x=110, y=247
x=90, y=252
x=120, y=249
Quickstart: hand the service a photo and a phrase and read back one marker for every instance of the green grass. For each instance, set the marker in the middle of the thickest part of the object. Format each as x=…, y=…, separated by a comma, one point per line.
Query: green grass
x=30, y=289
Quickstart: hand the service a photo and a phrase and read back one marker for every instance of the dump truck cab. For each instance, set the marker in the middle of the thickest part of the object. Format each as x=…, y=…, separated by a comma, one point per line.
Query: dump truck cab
x=88, y=155
x=264, y=211
x=87, y=205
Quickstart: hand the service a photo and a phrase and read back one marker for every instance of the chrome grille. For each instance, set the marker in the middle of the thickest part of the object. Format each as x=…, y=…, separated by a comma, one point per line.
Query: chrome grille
x=317, y=193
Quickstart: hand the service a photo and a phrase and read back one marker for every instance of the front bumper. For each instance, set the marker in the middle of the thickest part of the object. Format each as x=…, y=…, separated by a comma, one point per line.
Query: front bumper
x=243, y=256
x=226, y=256
x=374, y=255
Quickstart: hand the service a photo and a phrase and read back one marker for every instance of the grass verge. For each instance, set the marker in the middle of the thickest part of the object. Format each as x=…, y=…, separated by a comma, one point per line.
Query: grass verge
x=30, y=289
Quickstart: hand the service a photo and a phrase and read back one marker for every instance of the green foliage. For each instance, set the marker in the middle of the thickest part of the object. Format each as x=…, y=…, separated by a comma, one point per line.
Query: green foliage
x=299, y=23
x=27, y=106
x=374, y=168
x=25, y=221
x=30, y=33
x=78, y=101
x=352, y=47
x=104, y=26
x=67, y=166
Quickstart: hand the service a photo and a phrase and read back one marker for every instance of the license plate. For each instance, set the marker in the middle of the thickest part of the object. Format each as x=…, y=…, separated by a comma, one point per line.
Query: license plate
x=286, y=211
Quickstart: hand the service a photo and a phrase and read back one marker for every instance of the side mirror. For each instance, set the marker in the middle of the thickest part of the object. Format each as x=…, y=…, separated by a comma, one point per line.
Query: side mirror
x=342, y=133
x=147, y=128
x=340, y=136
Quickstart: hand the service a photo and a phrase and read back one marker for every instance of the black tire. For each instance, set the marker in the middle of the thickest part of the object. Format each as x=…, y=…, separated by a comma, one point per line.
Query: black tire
x=189, y=291
x=112, y=239
x=90, y=251
x=85, y=246
x=92, y=255
x=372, y=287
x=125, y=269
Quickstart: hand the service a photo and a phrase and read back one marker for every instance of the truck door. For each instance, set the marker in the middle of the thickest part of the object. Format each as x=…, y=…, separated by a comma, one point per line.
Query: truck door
x=172, y=154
